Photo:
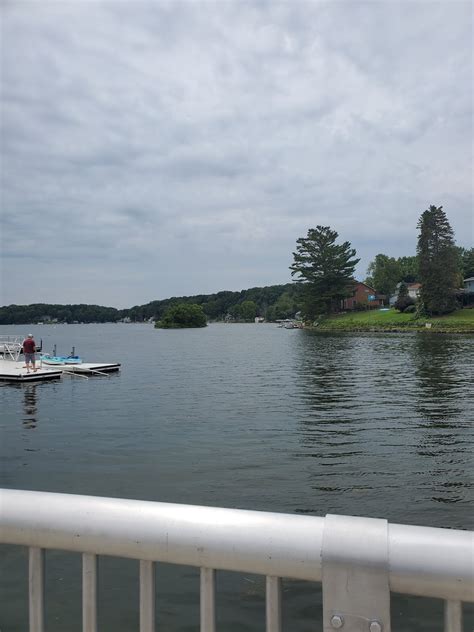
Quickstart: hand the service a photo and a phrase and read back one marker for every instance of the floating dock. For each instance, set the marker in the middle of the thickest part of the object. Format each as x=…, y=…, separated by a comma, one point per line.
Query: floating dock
x=11, y=371
x=86, y=368
x=15, y=371
x=13, y=368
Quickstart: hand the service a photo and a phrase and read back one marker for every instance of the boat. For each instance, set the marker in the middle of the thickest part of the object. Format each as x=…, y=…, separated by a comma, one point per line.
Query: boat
x=288, y=323
x=55, y=360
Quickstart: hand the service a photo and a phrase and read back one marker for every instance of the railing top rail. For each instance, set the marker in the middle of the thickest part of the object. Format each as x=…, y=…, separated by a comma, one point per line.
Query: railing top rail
x=423, y=561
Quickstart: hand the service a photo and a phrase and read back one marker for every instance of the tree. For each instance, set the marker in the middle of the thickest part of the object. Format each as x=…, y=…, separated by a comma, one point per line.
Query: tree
x=325, y=270
x=248, y=310
x=403, y=298
x=182, y=315
x=438, y=262
x=285, y=307
x=384, y=274
x=466, y=259
x=408, y=269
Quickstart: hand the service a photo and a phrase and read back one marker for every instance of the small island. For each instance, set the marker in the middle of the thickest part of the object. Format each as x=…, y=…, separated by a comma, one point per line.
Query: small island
x=181, y=316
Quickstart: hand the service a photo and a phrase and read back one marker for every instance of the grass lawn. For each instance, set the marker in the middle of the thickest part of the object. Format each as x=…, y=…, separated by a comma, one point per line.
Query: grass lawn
x=377, y=320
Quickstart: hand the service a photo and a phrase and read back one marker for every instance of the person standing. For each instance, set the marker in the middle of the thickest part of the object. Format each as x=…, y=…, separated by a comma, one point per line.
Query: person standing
x=29, y=350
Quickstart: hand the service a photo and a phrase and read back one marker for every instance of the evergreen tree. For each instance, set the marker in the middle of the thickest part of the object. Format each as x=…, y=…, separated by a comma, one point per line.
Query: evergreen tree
x=403, y=298
x=438, y=262
x=325, y=270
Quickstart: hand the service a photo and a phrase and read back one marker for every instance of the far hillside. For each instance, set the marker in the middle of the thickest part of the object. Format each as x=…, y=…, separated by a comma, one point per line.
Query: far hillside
x=272, y=302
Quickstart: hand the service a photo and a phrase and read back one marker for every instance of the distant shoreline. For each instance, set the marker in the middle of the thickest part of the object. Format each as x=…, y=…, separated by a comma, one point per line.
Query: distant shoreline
x=385, y=330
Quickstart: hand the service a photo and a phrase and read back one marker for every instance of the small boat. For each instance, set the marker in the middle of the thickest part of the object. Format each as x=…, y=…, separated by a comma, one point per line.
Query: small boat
x=288, y=323
x=54, y=359
x=49, y=359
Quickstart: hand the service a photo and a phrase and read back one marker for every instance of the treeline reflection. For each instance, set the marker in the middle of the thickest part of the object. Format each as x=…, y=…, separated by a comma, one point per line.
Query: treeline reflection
x=385, y=417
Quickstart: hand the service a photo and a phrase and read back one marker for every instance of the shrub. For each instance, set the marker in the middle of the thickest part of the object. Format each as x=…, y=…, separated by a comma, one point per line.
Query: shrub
x=411, y=309
x=403, y=302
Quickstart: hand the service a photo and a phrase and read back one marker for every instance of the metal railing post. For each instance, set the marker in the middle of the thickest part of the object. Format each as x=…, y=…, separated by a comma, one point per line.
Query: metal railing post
x=36, y=589
x=208, y=600
x=452, y=616
x=356, y=590
x=273, y=604
x=147, y=596
x=89, y=592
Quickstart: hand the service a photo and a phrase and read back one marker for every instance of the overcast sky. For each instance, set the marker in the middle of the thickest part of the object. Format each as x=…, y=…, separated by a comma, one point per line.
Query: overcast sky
x=157, y=149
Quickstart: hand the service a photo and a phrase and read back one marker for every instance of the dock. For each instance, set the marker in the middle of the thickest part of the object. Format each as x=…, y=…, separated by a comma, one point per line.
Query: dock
x=15, y=371
x=12, y=371
x=87, y=368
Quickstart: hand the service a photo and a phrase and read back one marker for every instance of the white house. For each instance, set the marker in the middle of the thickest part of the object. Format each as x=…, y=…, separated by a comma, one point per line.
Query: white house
x=413, y=292
x=469, y=284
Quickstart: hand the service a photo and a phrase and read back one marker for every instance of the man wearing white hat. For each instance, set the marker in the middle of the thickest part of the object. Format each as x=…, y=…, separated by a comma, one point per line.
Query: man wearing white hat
x=29, y=349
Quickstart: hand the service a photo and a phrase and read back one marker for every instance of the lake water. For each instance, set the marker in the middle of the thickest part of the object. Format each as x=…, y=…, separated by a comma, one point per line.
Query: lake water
x=247, y=416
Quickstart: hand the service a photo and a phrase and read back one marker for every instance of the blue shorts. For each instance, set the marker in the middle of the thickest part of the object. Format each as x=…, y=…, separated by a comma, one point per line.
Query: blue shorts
x=30, y=357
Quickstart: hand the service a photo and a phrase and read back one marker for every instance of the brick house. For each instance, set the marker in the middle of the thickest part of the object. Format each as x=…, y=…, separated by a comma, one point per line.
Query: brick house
x=364, y=295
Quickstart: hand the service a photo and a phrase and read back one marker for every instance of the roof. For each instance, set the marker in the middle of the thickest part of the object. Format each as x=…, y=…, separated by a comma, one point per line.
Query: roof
x=362, y=283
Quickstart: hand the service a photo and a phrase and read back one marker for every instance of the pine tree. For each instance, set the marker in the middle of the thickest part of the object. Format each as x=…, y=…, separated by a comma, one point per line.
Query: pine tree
x=325, y=269
x=403, y=298
x=438, y=262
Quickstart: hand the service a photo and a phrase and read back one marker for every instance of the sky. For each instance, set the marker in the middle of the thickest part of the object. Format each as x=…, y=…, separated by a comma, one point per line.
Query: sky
x=170, y=148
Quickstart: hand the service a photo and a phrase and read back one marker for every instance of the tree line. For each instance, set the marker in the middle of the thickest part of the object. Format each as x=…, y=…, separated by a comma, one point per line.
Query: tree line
x=271, y=302
x=323, y=272
x=325, y=269
x=44, y=312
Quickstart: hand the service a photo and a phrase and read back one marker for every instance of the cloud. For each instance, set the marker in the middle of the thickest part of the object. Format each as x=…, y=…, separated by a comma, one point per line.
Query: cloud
x=188, y=145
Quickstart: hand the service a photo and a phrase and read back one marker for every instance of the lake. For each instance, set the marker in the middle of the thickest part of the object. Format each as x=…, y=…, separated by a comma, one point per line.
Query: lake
x=247, y=416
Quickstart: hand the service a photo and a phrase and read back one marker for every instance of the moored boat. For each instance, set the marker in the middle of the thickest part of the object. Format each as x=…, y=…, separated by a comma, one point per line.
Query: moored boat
x=55, y=360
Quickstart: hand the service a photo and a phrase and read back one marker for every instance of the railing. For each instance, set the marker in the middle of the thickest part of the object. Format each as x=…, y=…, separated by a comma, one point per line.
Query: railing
x=10, y=347
x=358, y=560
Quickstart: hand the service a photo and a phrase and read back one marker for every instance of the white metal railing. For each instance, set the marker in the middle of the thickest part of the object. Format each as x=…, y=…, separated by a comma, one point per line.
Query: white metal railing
x=359, y=560
x=10, y=347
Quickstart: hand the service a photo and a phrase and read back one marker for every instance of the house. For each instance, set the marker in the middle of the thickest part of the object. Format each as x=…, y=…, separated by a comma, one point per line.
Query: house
x=413, y=292
x=362, y=295
x=469, y=285
x=466, y=295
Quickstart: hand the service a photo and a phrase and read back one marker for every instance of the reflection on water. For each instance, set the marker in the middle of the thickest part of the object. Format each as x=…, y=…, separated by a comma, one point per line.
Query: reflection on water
x=445, y=442
x=30, y=407
x=386, y=419
x=439, y=380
